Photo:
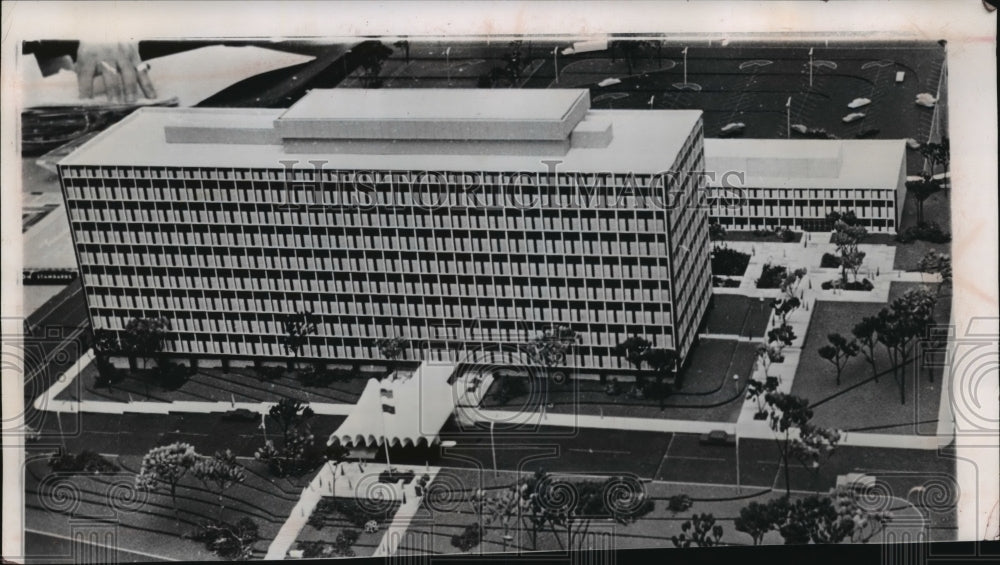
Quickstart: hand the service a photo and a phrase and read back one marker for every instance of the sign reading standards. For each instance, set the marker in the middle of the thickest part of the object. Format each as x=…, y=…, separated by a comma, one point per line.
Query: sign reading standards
x=48, y=276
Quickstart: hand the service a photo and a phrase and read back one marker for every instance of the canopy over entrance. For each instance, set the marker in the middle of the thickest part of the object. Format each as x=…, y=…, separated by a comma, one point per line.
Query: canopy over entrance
x=407, y=408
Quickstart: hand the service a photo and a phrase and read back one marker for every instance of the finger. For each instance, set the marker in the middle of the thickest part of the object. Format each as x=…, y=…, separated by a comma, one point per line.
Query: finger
x=142, y=73
x=146, y=84
x=85, y=71
x=129, y=81
x=112, y=81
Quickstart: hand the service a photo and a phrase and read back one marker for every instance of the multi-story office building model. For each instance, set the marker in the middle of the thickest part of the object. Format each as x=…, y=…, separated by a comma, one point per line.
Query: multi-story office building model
x=457, y=219
x=795, y=183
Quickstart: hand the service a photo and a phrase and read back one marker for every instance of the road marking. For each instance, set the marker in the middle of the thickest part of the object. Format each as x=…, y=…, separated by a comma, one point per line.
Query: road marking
x=81, y=540
x=58, y=349
x=666, y=454
x=698, y=458
x=609, y=451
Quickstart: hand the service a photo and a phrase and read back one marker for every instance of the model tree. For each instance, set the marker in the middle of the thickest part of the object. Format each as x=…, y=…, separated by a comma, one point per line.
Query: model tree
x=105, y=344
x=298, y=453
x=847, y=238
x=717, y=234
x=921, y=189
x=866, y=334
x=838, y=352
x=633, y=350
x=937, y=154
x=219, y=472
x=907, y=320
x=296, y=329
x=664, y=365
x=757, y=519
x=392, y=348
x=145, y=338
x=549, y=350
x=937, y=263
x=165, y=466
x=700, y=531
x=787, y=413
x=757, y=390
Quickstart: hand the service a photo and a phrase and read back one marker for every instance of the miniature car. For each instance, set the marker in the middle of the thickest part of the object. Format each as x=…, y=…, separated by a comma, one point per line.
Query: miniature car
x=867, y=133
x=241, y=415
x=717, y=437
x=912, y=143
x=859, y=102
x=735, y=128
x=926, y=99
x=800, y=128
x=853, y=117
x=608, y=82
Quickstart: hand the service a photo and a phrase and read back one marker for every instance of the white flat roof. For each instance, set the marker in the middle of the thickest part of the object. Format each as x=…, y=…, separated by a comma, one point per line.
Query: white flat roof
x=643, y=142
x=434, y=104
x=808, y=163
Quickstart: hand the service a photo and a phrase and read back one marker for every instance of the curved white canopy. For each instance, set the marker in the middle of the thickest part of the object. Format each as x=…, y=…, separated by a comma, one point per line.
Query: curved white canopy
x=405, y=409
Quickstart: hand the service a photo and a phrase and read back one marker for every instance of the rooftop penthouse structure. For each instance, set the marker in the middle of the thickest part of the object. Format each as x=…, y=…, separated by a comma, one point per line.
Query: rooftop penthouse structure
x=462, y=220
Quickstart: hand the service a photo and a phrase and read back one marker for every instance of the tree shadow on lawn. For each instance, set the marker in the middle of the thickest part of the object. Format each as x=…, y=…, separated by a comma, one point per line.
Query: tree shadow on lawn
x=709, y=392
x=860, y=403
x=146, y=519
x=214, y=385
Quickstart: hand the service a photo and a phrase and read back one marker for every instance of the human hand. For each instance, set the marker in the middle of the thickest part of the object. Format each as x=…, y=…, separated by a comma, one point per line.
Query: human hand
x=118, y=66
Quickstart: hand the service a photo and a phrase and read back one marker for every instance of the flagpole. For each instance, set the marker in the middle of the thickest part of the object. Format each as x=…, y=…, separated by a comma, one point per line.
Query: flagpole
x=447, y=62
x=555, y=61
x=493, y=448
x=685, y=65
x=810, y=67
x=788, y=118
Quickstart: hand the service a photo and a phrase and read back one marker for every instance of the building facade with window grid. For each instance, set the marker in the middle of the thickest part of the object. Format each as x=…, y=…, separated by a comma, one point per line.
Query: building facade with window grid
x=770, y=183
x=225, y=230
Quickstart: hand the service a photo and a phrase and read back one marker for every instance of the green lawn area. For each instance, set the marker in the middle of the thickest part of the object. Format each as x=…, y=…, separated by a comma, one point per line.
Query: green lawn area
x=214, y=385
x=708, y=392
x=735, y=314
x=860, y=403
x=448, y=517
x=146, y=522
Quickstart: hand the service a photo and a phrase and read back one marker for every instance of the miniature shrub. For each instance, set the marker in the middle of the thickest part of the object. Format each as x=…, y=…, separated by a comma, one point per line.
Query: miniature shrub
x=771, y=276
x=729, y=262
x=930, y=232
x=830, y=261
x=84, y=462
x=470, y=537
x=233, y=543
x=679, y=503
x=389, y=476
x=863, y=284
x=725, y=282
x=172, y=376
